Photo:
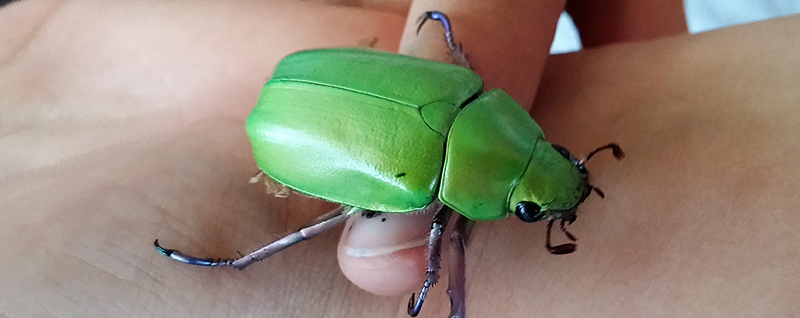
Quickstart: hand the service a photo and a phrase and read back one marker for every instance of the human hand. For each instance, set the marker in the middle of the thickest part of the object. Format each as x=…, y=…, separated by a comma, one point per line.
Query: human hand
x=507, y=43
x=123, y=122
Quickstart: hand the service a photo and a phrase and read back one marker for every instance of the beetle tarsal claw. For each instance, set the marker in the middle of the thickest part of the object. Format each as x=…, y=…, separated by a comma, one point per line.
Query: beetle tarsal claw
x=163, y=251
x=413, y=311
x=456, y=50
x=422, y=19
x=415, y=305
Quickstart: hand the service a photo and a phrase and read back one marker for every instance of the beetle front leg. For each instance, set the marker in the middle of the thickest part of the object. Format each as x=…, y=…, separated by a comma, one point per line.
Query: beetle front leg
x=565, y=248
x=323, y=224
x=434, y=259
x=456, y=50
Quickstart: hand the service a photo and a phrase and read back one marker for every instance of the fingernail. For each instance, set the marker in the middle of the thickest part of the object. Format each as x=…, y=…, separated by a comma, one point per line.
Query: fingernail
x=386, y=233
x=385, y=254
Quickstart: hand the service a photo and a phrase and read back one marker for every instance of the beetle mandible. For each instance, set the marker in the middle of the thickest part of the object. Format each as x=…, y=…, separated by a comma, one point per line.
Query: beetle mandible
x=376, y=131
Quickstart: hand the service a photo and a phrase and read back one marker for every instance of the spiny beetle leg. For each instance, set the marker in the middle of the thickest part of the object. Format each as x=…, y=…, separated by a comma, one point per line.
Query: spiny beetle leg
x=598, y=191
x=191, y=260
x=324, y=223
x=441, y=17
x=456, y=50
x=434, y=259
x=456, y=287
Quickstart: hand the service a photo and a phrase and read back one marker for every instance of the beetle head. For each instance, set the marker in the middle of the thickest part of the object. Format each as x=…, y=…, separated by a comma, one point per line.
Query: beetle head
x=532, y=212
x=534, y=208
x=529, y=211
x=580, y=164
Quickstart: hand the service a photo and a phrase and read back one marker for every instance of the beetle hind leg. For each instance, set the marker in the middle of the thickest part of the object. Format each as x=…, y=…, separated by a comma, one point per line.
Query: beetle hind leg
x=456, y=50
x=324, y=223
x=191, y=260
x=434, y=259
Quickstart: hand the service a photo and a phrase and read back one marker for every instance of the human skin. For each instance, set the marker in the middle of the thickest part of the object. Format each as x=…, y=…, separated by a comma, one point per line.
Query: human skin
x=116, y=131
x=507, y=43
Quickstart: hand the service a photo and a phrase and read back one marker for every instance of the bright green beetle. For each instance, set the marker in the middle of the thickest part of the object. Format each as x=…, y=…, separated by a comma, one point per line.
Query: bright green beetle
x=389, y=133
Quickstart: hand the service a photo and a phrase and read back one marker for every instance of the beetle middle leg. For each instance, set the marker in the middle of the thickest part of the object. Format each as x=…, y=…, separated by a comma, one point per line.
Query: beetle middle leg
x=323, y=224
x=434, y=259
x=456, y=50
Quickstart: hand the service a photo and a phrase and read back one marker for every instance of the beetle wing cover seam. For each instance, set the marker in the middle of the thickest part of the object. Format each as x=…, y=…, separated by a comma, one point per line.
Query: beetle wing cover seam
x=359, y=127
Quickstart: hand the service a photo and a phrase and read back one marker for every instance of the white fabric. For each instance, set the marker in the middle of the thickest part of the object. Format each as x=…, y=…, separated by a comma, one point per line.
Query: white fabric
x=701, y=16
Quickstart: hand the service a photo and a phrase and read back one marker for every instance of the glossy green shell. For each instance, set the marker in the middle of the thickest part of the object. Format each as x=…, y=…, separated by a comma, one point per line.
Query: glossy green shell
x=488, y=149
x=359, y=127
x=550, y=181
x=390, y=133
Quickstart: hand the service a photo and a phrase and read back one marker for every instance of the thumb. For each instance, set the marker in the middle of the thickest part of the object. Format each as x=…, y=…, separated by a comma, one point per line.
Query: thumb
x=385, y=253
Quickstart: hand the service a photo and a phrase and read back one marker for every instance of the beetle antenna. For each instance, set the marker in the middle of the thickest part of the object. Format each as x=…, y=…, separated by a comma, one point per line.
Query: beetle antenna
x=324, y=223
x=557, y=250
x=616, y=150
x=596, y=190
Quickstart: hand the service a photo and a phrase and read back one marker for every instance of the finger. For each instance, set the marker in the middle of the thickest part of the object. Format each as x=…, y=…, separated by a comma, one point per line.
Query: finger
x=385, y=254
x=507, y=42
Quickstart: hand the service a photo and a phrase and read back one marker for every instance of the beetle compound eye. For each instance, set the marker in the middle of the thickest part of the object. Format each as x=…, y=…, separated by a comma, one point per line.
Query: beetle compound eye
x=529, y=211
